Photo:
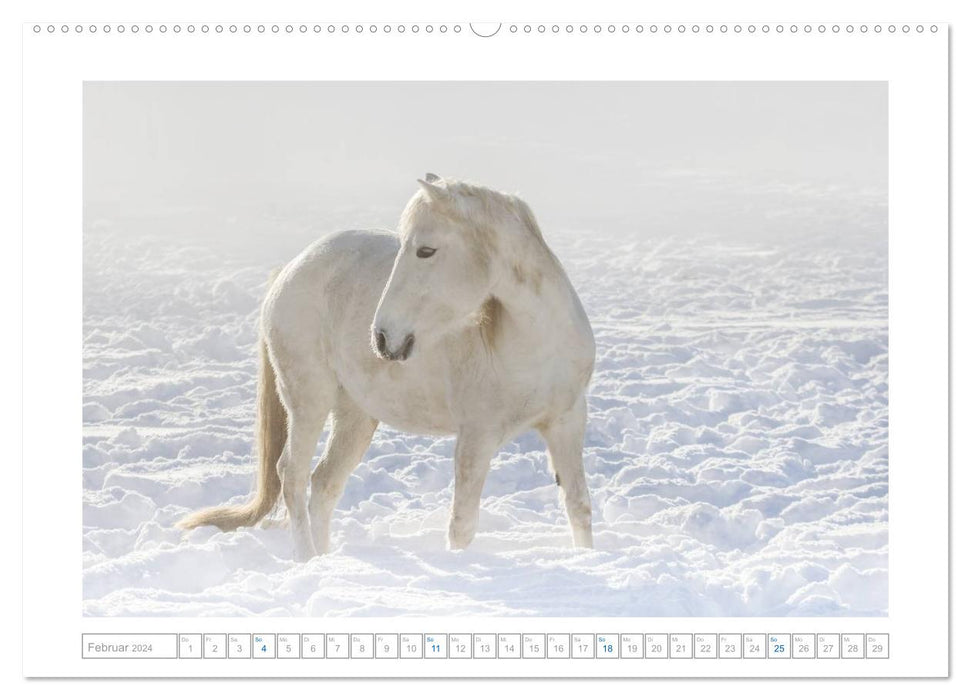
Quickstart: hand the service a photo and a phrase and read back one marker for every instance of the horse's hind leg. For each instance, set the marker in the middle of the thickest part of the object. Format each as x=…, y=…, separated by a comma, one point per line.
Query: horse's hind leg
x=308, y=400
x=564, y=439
x=350, y=434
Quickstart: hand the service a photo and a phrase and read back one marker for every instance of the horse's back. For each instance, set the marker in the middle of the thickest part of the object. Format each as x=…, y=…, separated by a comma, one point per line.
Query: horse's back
x=342, y=258
x=344, y=252
x=334, y=283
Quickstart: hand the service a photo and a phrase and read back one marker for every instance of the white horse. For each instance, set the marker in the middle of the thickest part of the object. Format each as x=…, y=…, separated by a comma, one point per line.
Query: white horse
x=477, y=333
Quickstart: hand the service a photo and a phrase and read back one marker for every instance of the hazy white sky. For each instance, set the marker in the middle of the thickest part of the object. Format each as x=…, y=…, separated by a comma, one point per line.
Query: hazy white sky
x=192, y=144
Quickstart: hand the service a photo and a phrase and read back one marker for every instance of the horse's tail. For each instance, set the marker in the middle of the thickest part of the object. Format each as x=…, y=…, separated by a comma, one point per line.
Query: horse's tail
x=271, y=435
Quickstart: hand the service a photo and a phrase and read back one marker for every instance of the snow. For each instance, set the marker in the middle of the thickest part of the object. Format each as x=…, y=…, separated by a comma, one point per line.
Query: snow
x=736, y=449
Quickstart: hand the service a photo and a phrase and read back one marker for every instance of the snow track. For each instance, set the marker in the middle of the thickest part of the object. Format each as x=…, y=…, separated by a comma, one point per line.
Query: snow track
x=736, y=449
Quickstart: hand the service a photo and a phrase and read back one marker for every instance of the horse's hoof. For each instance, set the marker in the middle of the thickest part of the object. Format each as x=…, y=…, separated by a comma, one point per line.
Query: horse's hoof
x=582, y=540
x=322, y=544
x=458, y=541
x=302, y=555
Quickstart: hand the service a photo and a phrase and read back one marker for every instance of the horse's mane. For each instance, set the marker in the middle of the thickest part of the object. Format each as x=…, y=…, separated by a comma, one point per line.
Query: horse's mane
x=481, y=208
x=491, y=206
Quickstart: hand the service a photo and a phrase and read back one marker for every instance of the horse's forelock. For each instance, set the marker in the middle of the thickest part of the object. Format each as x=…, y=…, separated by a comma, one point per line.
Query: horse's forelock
x=455, y=207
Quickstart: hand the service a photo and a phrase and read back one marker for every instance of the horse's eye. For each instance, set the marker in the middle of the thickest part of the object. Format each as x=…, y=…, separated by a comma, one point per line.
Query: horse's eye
x=426, y=252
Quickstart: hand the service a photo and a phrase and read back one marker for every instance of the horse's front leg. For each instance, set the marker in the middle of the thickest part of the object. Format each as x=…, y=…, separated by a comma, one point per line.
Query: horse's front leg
x=564, y=439
x=473, y=452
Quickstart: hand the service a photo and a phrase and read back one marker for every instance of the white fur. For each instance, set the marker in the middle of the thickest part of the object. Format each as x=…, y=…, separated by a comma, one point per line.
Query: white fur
x=501, y=346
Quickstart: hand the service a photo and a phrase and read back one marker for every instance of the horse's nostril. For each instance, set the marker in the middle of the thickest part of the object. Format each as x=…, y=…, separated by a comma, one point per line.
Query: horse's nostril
x=380, y=341
x=409, y=344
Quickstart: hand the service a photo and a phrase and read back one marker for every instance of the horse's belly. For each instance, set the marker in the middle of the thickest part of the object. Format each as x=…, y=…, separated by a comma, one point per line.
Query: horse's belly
x=407, y=398
x=403, y=413
x=410, y=423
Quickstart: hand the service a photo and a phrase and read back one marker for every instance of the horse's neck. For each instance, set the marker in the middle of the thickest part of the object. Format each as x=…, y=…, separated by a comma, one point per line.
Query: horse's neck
x=538, y=302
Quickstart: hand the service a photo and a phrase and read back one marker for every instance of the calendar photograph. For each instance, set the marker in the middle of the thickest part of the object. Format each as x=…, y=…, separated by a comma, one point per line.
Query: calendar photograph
x=491, y=349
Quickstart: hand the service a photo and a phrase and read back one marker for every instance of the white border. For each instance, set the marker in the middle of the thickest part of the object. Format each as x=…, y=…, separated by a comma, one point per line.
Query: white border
x=914, y=65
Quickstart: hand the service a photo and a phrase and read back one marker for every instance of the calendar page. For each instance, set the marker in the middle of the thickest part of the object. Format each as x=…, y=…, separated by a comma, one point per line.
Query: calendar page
x=444, y=348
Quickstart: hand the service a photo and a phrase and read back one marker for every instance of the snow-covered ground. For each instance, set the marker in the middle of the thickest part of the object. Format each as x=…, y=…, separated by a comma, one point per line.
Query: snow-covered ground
x=736, y=449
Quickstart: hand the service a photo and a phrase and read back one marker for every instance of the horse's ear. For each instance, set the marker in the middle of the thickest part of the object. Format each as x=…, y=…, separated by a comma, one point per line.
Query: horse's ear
x=431, y=177
x=435, y=191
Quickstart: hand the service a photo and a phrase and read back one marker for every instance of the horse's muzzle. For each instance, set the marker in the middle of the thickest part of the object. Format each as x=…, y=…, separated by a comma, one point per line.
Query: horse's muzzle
x=381, y=347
